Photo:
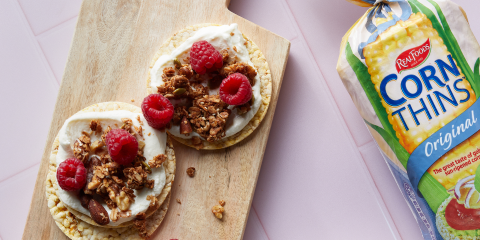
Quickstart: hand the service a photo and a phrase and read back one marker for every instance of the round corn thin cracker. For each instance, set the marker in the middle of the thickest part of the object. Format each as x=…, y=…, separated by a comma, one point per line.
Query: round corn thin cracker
x=80, y=226
x=263, y=71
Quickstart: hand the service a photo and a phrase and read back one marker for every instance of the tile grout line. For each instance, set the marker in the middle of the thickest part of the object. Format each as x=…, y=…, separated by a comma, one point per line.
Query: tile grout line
x=21, y=171
x=48, y=31
x=329, y=89
x=260, y=221
x=365, y=144
x=53, y=84
x=293, y=39
x=381, y=204
x=376, y=147
x=252, y=207
x=50, y=65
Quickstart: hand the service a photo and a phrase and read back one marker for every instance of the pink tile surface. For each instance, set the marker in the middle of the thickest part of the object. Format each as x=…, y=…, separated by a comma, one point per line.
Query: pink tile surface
x=303, y=192
x=55, y=44
x=391, y=195
x=305, y=177
x=46, y=14
x=15, y=209
x=272, y=15
x=323, y=41
x=28, y=93
x=254, y=229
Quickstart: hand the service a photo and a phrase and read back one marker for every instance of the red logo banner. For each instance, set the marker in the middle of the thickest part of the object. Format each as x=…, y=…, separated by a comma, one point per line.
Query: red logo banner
x=413, y=57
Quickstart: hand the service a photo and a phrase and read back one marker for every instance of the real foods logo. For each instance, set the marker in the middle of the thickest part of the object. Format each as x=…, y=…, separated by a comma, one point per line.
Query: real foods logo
x=413, y=57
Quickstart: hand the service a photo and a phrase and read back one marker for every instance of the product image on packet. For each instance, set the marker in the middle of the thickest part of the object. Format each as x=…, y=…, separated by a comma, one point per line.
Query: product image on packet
x=412, y=70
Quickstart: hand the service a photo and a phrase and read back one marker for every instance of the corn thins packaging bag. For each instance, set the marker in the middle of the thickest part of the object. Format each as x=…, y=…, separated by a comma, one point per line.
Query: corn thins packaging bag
x=412, y=70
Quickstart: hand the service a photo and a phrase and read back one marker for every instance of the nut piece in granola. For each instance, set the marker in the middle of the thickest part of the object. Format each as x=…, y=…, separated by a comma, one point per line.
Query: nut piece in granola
x=128, y=125
x=138, y=130
x=81, y=148
x=139, y=120
x=123, y=197
x=222, y=203
x=179, y=81
x=217, y=210
x=169, y=71
x=153, y=200
x=98, y=212
x=179, y=113
x=105, y=132
x=136, y=177
x=141, y=145
x=157, y=161
x=186, y=71
x=95, y=126
x=92, y=181
x=114, y=216
x=225, y=56
x=242, y=68
x=97, y=145
x=191, y=171
x=123, y=201
x=84, y=199
x=185, y=127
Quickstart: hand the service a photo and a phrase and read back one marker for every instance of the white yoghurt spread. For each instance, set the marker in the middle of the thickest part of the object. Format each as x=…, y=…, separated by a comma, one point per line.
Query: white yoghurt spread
x=220, y=37
x=155, y=144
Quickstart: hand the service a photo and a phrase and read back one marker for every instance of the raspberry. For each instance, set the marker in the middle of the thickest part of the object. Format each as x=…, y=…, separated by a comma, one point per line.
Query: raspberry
x=71, y=174
x=204, y=57
x=157, y=110
x=122, y=146
x=236, y=89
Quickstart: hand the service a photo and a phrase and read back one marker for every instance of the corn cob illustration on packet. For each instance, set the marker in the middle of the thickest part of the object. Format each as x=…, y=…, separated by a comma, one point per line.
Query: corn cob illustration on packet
x=412, y=70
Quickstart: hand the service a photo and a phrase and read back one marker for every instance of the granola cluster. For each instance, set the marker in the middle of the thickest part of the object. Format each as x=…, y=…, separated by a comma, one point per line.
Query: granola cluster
x=81, y=147
x=109, y=181
x=140, y=223
x=199, y=111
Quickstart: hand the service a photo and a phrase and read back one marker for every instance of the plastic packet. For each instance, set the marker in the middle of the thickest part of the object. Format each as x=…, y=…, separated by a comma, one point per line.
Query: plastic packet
x=412, y=70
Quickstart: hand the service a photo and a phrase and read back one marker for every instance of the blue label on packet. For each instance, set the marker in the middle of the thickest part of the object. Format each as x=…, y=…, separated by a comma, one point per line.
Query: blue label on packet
x=442, y=141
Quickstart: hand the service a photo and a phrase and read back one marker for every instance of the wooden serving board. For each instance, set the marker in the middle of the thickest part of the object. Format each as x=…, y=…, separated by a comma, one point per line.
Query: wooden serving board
x=114, y=43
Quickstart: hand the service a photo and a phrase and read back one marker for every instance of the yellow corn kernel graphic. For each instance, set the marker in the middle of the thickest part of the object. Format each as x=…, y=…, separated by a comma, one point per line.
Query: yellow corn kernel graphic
x=380, y=57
